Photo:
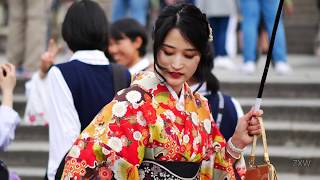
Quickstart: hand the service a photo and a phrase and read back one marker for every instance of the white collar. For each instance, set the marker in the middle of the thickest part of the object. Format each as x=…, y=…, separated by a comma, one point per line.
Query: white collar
x=141, y=65
x=203, y=89
x=180, y=100
x=93, y=57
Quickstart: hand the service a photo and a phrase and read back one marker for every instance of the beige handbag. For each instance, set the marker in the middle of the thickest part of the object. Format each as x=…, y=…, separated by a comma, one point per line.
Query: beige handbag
x=265, y=171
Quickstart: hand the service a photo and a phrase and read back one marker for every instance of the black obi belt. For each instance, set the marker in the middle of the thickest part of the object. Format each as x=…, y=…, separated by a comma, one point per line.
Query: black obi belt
x=151, y=169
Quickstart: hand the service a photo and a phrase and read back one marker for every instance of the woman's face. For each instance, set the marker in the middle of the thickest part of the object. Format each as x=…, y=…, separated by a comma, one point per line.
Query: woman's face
x=124, y=51
x=179, y=58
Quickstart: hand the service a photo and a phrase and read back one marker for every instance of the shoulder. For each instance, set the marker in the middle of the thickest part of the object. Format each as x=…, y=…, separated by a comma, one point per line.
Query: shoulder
x=146, y=79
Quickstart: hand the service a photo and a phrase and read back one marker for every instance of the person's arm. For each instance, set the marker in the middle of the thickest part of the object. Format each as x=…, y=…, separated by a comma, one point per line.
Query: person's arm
x=48, y=58
x=113, y=144
x=9, y=119
x=64, y=123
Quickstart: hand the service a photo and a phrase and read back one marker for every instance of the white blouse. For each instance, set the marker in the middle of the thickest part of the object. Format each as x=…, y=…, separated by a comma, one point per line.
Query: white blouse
x=9, y=119
x=64, y=122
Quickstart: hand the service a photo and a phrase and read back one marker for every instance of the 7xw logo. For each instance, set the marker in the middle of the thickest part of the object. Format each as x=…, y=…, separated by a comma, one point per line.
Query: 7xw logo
x=301, y=163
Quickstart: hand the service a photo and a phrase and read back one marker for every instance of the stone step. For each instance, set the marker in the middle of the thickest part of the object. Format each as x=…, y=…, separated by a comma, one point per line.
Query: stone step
x=301, y=160
x=29, y=173
x=28, y=154
x=303, y=110
x=273, y=89
x=293, y=176
x=32, y=133
x=292, y=133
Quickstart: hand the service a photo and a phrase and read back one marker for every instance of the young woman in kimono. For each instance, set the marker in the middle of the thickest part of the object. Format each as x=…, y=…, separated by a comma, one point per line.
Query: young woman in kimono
x=158, y=128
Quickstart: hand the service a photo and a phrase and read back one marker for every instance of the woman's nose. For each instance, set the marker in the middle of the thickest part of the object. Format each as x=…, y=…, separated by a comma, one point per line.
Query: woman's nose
x=177, y=62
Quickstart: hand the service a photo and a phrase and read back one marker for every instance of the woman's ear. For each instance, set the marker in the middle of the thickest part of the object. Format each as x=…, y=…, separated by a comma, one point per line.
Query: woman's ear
x=137, y=42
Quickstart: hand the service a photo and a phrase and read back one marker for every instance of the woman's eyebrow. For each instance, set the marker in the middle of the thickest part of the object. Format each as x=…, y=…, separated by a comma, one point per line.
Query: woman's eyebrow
x=169, y=46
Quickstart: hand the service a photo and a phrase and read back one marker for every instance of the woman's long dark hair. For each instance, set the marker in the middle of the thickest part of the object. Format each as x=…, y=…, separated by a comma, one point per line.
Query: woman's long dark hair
x=193, y=26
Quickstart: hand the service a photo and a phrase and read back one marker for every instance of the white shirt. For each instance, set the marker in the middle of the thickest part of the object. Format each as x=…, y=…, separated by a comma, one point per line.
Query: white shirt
x=141, y=65
x=9, y=119
x=64, y=122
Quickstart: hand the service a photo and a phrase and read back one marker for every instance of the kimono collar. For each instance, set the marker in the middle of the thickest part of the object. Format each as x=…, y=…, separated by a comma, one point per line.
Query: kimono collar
x=93, y=57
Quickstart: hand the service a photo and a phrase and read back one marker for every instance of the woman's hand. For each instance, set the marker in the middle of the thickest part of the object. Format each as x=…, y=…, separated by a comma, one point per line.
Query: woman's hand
x=248, y=125
x=7, y=83
x=48, y=58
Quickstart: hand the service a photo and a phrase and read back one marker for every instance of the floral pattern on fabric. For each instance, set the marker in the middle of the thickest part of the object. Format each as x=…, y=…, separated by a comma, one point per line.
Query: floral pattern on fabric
x=146, y=122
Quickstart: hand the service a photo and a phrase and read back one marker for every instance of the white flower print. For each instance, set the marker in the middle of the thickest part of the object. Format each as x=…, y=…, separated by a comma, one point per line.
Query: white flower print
x=207, y=125
x=140, y=119
x=133, y=97
x=84, y=135
x=119, y=109
x=115, y=144
x=186, y=138
x=160, y=121
x=120, y=92
x=74, y=152
x=196, y=141
x=141, y=174
x=105, y=151
x=137, y=135
x=179, y=107
x=170, y=115
x=194, y=118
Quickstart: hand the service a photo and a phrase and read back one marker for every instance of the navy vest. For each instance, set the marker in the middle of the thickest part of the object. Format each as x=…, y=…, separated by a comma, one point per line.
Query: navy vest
x=91, y=87
x=229, y=114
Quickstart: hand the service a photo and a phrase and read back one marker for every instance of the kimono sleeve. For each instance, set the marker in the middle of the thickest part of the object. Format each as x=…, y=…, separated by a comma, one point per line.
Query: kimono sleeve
x=216, y=164
x=113, y=144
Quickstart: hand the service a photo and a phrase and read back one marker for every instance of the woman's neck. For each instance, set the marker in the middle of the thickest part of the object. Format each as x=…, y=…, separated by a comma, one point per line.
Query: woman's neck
x=178, y=90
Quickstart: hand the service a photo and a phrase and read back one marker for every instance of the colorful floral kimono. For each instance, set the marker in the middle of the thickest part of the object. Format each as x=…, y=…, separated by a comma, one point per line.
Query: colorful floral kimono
x=148, y=124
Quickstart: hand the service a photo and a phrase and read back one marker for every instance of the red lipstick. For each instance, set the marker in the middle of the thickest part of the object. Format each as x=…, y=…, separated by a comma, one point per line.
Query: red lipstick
x=175, y=75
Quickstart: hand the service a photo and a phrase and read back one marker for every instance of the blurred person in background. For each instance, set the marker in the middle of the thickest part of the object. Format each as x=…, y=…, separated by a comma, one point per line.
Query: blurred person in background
x=219, y=14
x=136, y=9
x=79, y=88
x=37, y=88
x=251, y=11
x=128, y=45
x=9, y=118
x=27, y=34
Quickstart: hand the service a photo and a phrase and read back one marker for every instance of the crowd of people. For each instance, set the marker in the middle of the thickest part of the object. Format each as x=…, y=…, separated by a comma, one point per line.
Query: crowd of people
x=169, y=110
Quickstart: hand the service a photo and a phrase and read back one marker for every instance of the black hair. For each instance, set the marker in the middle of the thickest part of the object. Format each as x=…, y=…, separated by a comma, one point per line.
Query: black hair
x=85, y=26
x=211, y=80
x=193, y=26
x=132, y=29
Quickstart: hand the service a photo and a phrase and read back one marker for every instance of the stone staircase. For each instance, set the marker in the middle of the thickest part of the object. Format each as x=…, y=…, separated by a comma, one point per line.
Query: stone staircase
x=291, y=107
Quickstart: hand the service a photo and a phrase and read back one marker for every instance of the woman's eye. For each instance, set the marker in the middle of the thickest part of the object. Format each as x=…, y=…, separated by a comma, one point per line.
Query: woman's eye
x=168, y=53
x=189, y=56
